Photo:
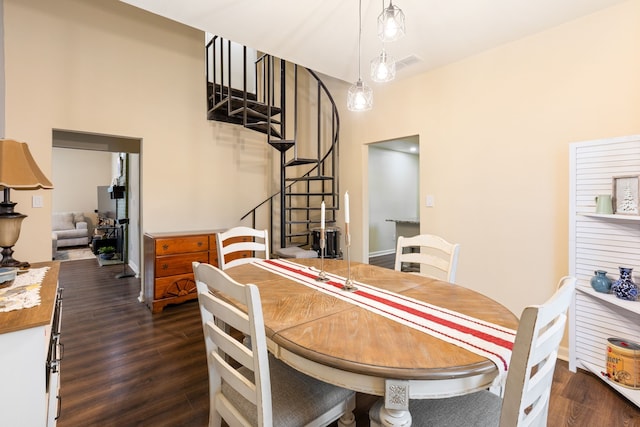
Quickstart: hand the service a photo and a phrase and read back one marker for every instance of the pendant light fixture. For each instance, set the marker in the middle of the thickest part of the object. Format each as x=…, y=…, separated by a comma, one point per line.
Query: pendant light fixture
x=391, y=23
x=383, y=67
x=360, y=96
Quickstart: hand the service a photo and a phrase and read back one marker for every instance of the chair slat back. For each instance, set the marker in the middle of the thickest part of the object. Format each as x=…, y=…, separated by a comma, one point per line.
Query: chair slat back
x=533, y=360
x=431, y=252
x=232, y=251
x=242, y=368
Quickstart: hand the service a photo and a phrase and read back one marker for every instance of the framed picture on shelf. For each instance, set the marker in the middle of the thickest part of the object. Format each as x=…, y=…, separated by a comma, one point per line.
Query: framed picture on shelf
x=625, y=194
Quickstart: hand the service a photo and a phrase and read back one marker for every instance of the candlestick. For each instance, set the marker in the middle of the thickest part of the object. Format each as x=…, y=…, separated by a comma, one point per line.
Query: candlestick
x=348, y=283
x=346, y=207
x=322, y=276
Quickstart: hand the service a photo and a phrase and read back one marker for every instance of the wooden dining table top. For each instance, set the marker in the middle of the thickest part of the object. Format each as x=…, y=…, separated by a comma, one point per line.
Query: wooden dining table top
x=338, y=334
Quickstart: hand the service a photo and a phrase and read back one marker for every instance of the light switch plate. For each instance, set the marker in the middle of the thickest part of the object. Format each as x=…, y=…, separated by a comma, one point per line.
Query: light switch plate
x=37, y=202
x=430, y=201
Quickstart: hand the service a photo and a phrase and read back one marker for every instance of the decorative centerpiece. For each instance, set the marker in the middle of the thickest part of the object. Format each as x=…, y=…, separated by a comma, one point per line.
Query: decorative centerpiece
x=624, y=288
x=107, y=252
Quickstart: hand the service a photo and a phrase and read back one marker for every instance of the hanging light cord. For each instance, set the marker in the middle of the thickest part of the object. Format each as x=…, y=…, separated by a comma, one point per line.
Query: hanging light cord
x=359, y=37
x=383, y=14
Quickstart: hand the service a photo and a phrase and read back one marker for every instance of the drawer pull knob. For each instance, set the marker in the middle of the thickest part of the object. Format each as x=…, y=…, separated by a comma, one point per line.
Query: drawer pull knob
x=165, y=266
x=165, y=247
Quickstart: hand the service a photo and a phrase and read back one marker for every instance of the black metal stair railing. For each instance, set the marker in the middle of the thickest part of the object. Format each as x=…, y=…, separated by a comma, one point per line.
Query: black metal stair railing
x=294, y=108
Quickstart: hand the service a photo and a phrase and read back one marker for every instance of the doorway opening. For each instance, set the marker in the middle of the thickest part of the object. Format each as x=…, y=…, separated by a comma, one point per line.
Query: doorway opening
x=86, y=163
x=394, y=195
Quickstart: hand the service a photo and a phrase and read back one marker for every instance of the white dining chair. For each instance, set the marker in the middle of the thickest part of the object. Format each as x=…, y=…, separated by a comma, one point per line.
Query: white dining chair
x=241, y=245
x=248, y=387
x=436, y=257
x=529, y=378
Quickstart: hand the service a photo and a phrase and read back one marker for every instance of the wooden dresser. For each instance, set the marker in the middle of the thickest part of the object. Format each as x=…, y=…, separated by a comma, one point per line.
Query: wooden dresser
x=168, y=273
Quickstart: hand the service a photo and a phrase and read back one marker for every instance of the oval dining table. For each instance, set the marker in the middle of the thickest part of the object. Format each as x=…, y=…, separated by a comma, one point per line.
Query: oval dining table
x=347, y=345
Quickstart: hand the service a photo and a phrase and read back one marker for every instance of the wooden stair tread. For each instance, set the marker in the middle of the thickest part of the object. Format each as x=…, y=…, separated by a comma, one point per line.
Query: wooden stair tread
x=310, y=208
x=314, y=194
x=304, y=221
x=281, y=145
x=262, y=127
x=237, y=93
x=301, y=161
x=257, y=107
x=311, y=178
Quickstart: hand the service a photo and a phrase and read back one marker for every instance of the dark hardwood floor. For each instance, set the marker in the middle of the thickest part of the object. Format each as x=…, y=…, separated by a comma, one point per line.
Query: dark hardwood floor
x=124, y=366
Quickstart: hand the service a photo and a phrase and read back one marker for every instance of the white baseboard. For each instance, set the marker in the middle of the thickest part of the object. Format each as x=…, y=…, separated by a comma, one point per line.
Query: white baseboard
x=563, y=353
x=381, y=253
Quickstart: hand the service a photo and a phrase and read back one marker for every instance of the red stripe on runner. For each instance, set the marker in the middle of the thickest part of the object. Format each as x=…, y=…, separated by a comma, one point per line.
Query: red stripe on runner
x=464, y=329
x=435, y=319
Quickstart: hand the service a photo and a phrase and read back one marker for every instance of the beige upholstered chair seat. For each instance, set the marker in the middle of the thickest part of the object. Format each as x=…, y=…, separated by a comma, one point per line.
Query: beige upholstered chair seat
x=291, y=389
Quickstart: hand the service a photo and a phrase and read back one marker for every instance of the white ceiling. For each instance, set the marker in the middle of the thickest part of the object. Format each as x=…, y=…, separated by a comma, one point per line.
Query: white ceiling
x=323, y=34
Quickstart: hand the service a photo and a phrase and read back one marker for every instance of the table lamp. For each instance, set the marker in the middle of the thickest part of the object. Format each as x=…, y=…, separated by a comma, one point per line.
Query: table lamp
x=19, y=171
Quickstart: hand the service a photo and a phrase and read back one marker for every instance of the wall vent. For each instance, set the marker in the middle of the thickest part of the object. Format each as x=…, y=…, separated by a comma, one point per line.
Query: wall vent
x=407, y=62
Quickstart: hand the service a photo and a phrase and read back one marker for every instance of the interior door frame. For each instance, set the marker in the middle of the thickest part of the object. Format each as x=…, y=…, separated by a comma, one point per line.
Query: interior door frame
x=366, y=215
x=82, y=140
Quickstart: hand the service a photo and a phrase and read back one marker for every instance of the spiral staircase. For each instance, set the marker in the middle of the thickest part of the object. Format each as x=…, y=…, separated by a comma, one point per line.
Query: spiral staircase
x=294, y=109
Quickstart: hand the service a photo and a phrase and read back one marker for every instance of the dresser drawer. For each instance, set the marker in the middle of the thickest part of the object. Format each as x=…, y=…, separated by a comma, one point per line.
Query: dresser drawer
x=175, y=286
x=180, y=245
x=171, y=265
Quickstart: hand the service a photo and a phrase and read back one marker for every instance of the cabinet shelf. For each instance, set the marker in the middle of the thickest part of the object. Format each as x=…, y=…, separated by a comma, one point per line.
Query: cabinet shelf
x=632, y=306
x=631, y=394
x=613, y=216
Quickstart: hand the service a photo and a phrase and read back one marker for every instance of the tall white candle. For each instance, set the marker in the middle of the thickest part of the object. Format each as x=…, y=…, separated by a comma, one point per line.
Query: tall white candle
x=322, y=215
x=346, y=207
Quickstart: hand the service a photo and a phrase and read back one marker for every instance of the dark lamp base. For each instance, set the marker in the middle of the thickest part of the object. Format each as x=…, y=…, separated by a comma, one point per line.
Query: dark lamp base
x=15, y=263
x=8, y=261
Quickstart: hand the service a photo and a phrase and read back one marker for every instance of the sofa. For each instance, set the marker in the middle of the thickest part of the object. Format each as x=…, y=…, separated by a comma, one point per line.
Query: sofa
x=68, y=229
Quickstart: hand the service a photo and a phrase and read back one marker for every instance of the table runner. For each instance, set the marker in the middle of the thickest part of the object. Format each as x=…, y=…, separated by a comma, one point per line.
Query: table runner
x=24, y=291
x=486, y=339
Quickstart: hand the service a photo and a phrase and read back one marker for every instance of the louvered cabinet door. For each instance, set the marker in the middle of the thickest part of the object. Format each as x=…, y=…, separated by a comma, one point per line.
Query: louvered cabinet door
x=601, y=242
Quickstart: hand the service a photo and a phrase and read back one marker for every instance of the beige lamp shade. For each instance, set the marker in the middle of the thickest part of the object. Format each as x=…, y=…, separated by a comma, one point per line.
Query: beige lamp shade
x=18, y=169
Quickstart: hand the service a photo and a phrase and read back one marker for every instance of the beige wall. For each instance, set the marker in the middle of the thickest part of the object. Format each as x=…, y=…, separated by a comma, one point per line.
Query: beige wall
x=494, y=132
x=106, y=67
x=393, y=178
x=77, y=174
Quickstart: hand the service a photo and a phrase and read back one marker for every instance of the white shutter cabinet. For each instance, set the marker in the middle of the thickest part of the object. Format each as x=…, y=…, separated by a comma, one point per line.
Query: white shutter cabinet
x=601, y=242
